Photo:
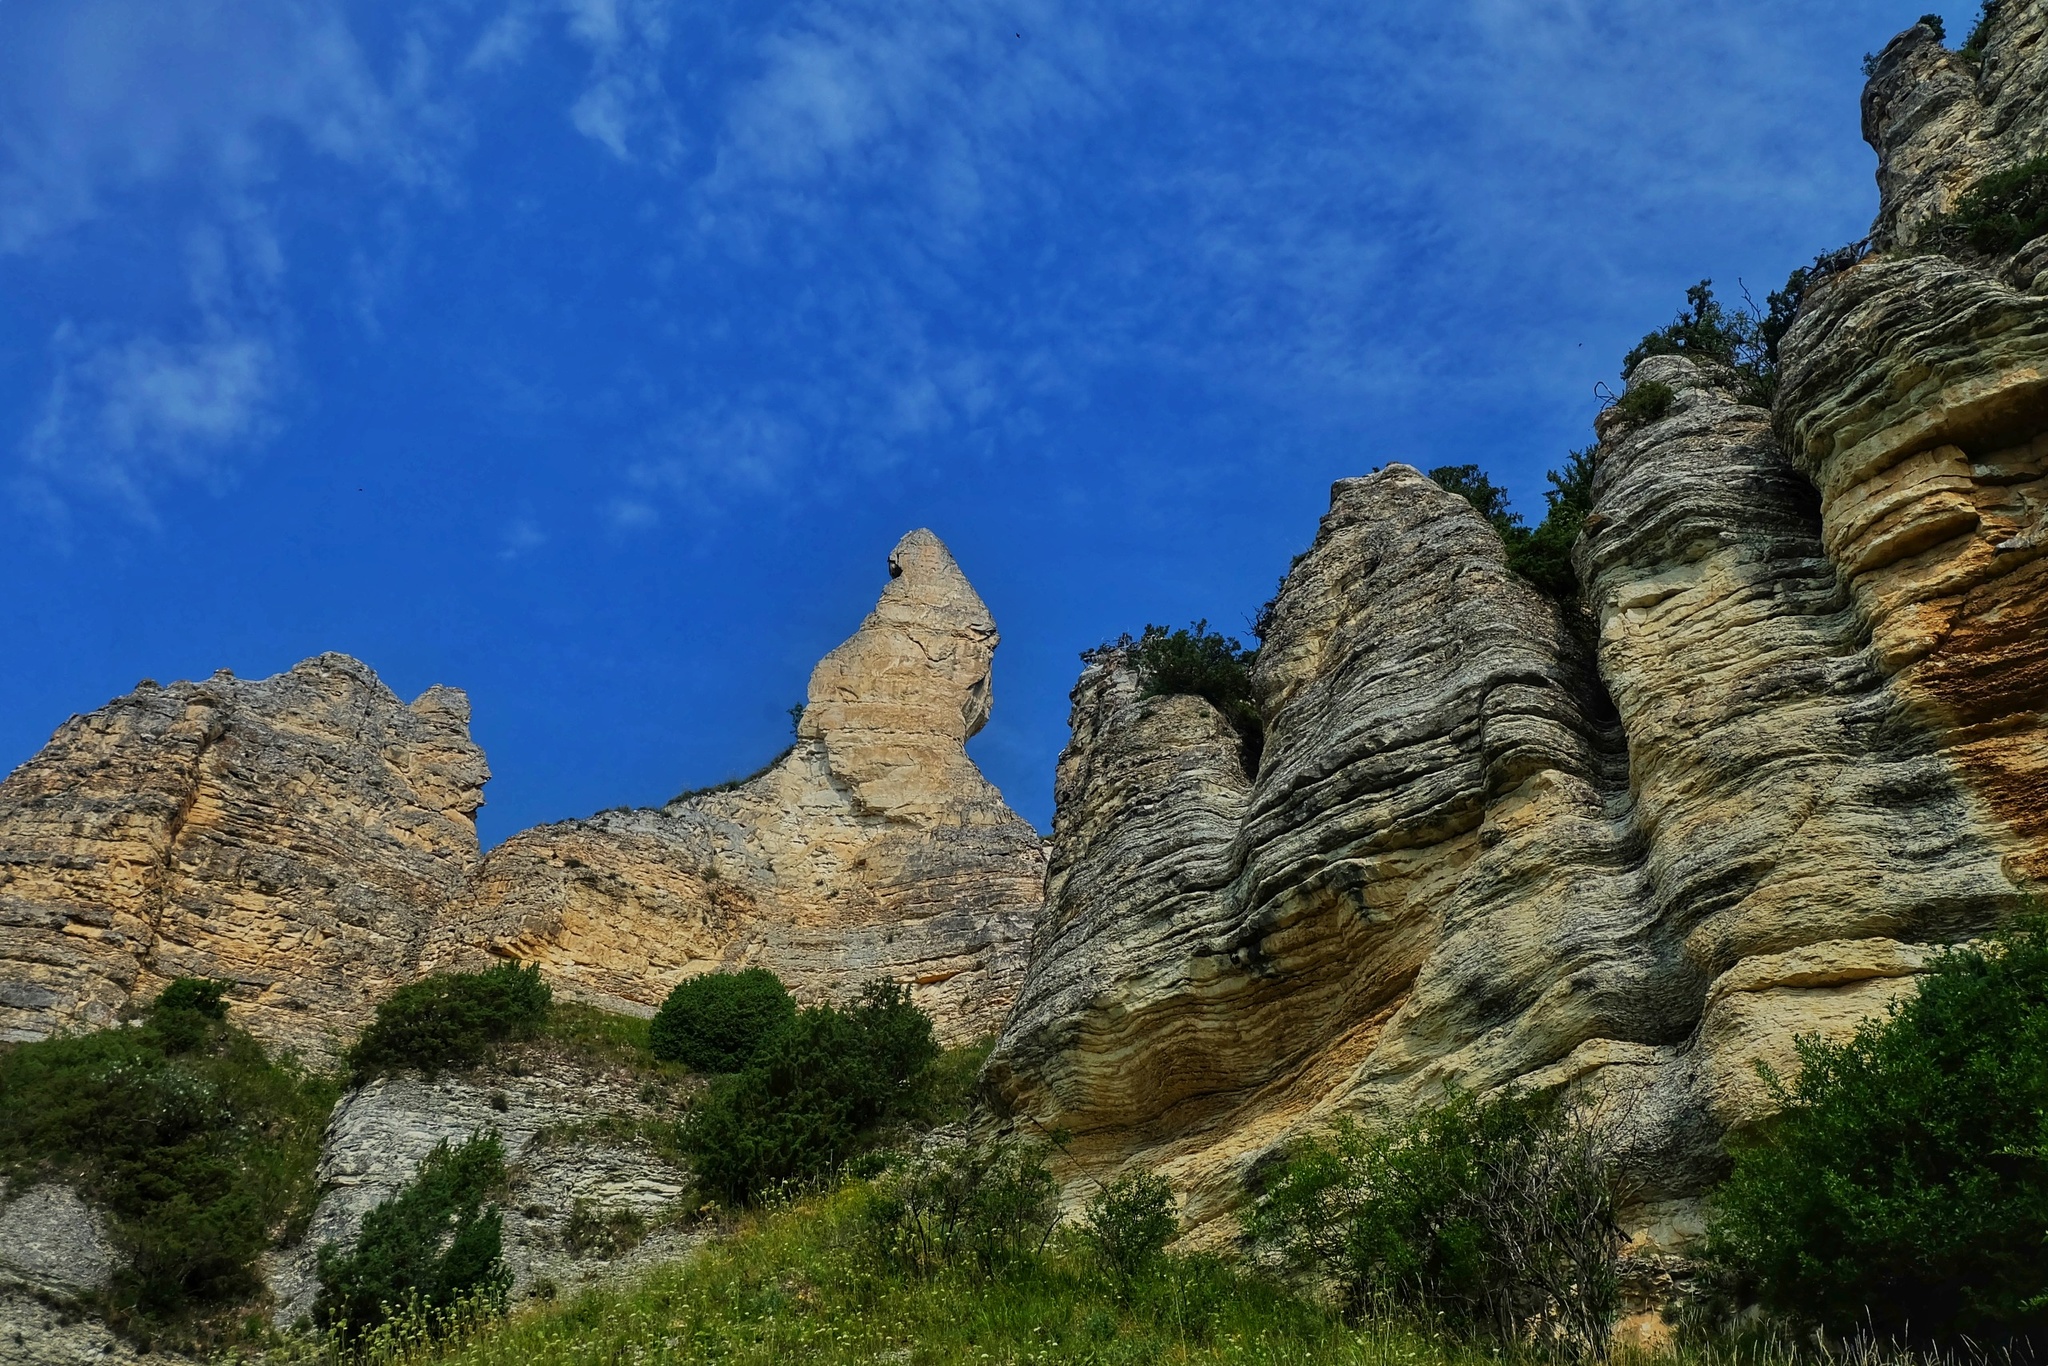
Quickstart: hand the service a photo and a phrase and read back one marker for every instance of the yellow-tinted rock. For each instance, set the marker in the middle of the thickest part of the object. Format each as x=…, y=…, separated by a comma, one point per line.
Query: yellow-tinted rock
x=873, y=848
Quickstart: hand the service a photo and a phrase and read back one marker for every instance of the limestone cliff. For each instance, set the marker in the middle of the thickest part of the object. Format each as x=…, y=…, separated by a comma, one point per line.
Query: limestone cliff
x=313, y=840
x=1788, y=740
x=295, y=835
x=873, y=848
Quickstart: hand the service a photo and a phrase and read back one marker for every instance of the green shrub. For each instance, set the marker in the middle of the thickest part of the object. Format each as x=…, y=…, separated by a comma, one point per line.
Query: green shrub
x=1980, y=32
x=435, y=1243
x=1646, y=401
x=1129, y=1223
x=1902, y=1188
x=198, y=1148
x=2000, y=213
x=812, y=1095
x=451, y=1021
x=1198, y=662
x=717, y=1021
x=1495, y=1217
x=1542, y=556
x=590, y=1231
x=989, y=1204
x=1487, y=498
x=198, y=994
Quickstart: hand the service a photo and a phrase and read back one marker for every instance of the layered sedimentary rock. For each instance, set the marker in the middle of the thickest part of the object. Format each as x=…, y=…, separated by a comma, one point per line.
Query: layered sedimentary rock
x=313, y=840
x=577, y=1166
x=294, y=835
x=874, y=848
x=1786, y=744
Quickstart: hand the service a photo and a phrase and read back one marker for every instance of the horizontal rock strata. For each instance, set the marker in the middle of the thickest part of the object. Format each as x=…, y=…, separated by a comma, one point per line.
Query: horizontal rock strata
x=1787, y=743
x=294, y=835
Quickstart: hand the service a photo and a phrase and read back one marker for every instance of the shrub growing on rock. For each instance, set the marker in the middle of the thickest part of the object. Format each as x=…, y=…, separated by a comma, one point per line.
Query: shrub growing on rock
x=2000, y=213
x=1902, y=1187
x=197, y=1148
x=434, y=1244
x=451, y=1020
x=718, y=1021
x=1495, y=1217
x=1198, y=662
x=812, y=1095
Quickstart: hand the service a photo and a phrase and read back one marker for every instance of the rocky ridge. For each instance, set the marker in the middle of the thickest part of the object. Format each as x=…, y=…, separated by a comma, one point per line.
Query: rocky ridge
x=1787, y=742
x=872, y=848
x=312, y=839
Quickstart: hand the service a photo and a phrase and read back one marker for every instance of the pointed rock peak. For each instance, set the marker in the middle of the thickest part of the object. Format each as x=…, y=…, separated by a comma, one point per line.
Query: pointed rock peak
x=896, y=702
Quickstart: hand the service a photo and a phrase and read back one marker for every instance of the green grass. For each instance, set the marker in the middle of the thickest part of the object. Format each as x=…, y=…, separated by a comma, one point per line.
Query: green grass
x=800, y=1285
x=605, y=1041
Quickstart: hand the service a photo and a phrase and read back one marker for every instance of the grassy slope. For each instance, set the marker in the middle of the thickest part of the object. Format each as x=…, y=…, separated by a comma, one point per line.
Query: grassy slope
x=798, y=1285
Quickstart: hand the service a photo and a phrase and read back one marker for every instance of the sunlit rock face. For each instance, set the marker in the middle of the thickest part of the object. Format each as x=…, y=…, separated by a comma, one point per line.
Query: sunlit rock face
x=1785, y=745
x=295, y=835
x=312, y=840
x=874, y=848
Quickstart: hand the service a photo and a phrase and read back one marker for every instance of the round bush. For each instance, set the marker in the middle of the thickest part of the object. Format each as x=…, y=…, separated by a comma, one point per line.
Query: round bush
x=718, y=1022
x=1902, y=1190
x=451, y=1020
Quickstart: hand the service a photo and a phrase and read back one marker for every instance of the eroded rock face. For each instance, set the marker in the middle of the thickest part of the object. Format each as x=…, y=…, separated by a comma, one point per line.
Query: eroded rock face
x=873, y=848
x=570, y=1132
x=1787, y=744
x=313, y=840
x=294, y=835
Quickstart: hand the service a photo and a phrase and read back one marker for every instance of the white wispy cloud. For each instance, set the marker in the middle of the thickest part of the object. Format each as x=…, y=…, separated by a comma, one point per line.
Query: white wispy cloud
x=102, y=96
x=122, y=416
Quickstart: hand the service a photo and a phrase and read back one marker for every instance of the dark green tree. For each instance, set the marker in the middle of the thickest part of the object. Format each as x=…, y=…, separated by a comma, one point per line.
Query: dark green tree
x=451, y=1020
x=435, y=1243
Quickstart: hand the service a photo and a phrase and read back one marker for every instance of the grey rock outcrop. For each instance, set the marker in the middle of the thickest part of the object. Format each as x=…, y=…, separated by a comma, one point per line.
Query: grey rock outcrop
x=571, y=1133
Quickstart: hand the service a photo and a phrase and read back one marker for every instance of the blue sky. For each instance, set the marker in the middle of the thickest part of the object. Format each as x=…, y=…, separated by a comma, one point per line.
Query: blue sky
x=590, y=355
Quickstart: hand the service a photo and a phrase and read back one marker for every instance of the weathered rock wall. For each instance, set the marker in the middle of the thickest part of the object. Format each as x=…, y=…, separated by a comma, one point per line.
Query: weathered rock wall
x=1788, y=741
x=294, y=834
x=313, y=840
x=873, y=848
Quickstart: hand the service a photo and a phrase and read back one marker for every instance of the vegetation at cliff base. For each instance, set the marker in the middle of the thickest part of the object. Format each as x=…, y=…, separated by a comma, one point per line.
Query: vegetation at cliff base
x=816, y=1093
x=1902, y=1188
x=451, y=1021
x=1495, y=1218
x=197, y=1147
x=718, y=1021
x=435, y=1244
x=805, y=1283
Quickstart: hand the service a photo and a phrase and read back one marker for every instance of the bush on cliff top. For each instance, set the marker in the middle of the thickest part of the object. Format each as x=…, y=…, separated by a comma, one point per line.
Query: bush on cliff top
x=1542, y=556
x=197, y=1148
x=1198, y=662
x=451, y=1020
x=1902, y=1188
x=718, y=1021
x=811, y=1096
